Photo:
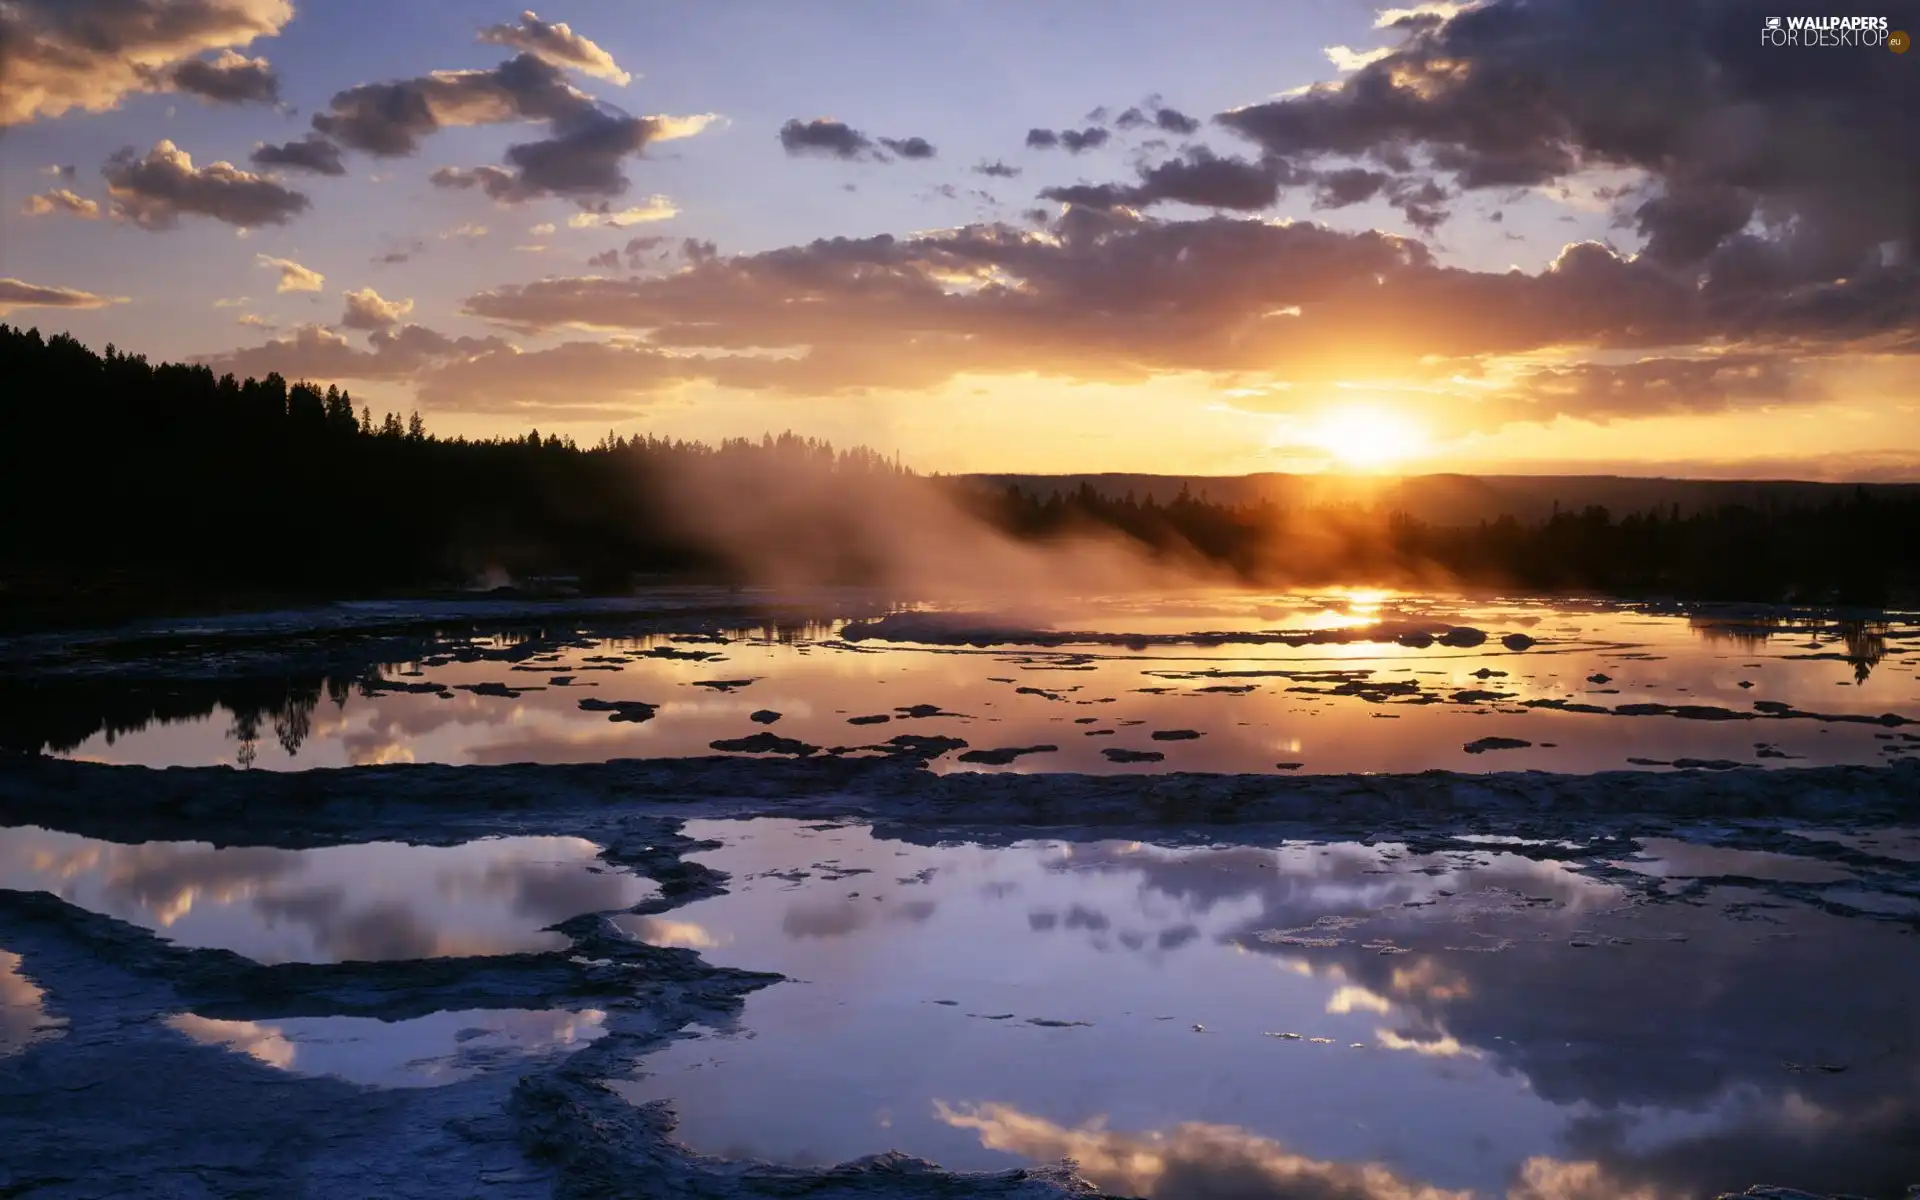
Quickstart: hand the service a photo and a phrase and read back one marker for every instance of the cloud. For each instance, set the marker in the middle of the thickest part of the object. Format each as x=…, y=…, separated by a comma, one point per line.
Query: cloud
x=913, y=147
x=1657, y=386
x=996, y=169
x=1111, y=295
x=155, y=191
x=574, y=381
x=228, y=78
x=824, y=136
x=316, y=353
x=1731, y=143
x=399, y=253
x=1346, y=58
x=656, y=208
x=1167, y=120
x=367, y=310
x=558, y=44
x=1200, y=178
x=311, y=153
x=1190, y=1159
x=581, y=162
x=293, y=276
x=61, y=200
x=1074, y=141
x=63, y=55
x=582, y=155
x=16, y=293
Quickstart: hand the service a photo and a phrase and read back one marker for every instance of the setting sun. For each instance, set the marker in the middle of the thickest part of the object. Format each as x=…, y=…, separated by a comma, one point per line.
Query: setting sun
x=1366, y=438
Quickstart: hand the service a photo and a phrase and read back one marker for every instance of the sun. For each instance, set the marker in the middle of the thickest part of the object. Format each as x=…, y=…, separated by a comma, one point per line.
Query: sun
x=1366, y=438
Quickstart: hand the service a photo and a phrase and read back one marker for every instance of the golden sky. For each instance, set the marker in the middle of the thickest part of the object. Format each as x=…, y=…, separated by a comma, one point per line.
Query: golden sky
x=1560, y=236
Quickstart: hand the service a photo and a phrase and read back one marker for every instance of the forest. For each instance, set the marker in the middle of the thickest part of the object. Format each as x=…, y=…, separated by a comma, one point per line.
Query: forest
x=133, y=487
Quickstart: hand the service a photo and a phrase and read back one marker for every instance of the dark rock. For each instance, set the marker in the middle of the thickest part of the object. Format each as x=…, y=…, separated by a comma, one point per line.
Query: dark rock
x=1482, y=745
x=1463, y=637
x=764, y=742
x=1174, y=735
x=1004, y=755
x=764, y=716
x=1121, y=754
x=1517, y=641
x=875, y=719
x=622, y=710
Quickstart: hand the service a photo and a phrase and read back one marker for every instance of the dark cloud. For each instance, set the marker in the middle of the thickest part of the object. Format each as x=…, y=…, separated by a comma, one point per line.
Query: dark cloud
x=836, y=139
x=1659, y=386
x=996, y=169
x=1174, y=121
x=825, y=136
x=316, y=353
x=608, y=260
x=17, y=293
x=913, y=147
x=228, y=78
x=399, y=253
x=311, y=153
x=1152, y=114
x=1727, y=130
x=389, y=119
x=62, y=55
x=1200, y=178
x=1074, y=141
x=582, y=156
x=1349, y=185
x=155, y=191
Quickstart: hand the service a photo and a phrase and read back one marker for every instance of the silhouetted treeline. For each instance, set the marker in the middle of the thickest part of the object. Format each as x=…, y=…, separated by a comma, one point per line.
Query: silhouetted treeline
x=120, y=475
x=1863, y=549
x=129, y=486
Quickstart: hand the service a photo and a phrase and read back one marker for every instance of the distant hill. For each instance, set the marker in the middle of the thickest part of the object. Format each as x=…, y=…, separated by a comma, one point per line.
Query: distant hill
x=1465, y=499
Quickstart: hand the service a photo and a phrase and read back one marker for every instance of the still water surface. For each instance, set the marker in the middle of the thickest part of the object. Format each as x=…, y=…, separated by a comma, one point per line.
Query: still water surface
x=1232, y=683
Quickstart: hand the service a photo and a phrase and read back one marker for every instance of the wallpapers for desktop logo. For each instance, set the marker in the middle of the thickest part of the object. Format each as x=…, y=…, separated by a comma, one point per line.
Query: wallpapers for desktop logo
x=1832, y=31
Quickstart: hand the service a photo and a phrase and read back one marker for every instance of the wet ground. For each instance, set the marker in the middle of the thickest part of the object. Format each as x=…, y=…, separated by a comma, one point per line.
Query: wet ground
x=749, y=974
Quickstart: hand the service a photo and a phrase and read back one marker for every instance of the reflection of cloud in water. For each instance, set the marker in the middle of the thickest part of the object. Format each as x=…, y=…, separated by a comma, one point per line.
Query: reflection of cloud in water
x=1440, y=1047
x=1190, y=1160
x=377, y=901
x=1199, y=1161
x=23, y=1013
x=829, y=920
x=262, y=1043
x=659, y=931
x=1357, y=999
x=440, y=1048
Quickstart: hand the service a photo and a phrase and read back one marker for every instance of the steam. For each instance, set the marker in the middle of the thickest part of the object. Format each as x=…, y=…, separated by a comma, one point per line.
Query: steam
x=800, y=521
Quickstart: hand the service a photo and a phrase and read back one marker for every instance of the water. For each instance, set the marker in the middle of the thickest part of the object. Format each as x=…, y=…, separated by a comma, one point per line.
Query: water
x=380, y=901
x=1601, y=687
x=1201, y=1021
x=430, y=1051
x=1480, y=1015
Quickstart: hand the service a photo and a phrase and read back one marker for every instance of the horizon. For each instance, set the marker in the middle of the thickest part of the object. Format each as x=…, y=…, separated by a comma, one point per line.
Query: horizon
x=1319, y=241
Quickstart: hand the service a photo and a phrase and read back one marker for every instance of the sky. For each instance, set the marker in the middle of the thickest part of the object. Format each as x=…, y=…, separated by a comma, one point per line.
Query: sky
x=1512, y=236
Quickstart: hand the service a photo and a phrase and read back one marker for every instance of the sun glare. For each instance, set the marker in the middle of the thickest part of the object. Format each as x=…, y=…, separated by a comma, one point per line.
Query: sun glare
x=1367, y=438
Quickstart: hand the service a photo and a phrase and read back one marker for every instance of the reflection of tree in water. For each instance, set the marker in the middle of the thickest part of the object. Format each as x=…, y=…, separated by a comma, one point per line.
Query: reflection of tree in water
x=58, y=718
x=1865, y=641
x=1866, y=645
x=1747, y=633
